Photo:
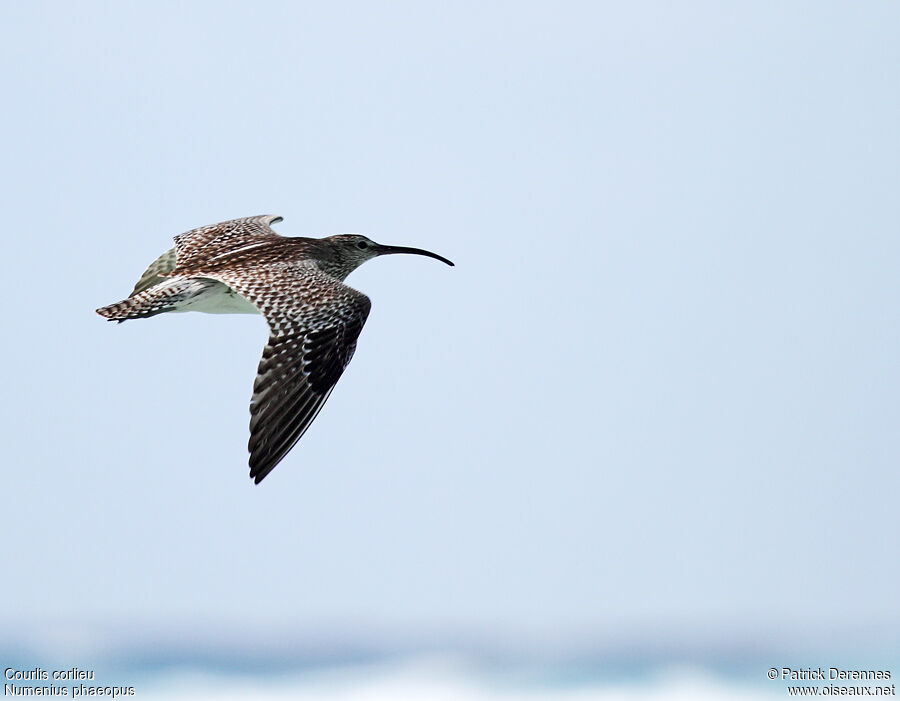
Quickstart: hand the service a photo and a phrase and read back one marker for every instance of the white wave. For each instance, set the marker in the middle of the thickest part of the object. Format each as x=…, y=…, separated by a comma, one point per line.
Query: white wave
x=442, y=680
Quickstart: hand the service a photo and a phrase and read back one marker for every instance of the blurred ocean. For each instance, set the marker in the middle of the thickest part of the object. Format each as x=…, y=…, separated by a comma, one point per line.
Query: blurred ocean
x=451, y=680
x=441, y=678
x=195, y=665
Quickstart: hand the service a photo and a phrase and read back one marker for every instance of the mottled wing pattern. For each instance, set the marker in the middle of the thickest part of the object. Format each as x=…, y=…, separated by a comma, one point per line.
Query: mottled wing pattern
x=314, y=323
x=204, y=245
x=156, y=272
x=157, y=299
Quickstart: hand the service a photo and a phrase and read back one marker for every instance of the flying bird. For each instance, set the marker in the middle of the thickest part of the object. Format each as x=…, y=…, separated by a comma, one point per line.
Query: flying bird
x=242, y=266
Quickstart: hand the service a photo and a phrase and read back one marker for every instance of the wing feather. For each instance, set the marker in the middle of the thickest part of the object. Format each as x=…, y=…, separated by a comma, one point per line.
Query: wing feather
x=208, y=242
x=156, y=272
x=314, y=323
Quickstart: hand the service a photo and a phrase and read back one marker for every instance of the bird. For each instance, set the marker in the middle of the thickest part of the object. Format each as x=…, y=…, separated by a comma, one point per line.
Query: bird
x=243, y=266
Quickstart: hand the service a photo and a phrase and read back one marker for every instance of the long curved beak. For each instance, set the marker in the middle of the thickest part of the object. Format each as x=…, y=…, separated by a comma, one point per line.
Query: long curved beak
x=384, y=250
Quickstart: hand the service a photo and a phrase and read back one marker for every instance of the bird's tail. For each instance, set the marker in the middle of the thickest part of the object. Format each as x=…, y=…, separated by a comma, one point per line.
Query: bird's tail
x=165, y=296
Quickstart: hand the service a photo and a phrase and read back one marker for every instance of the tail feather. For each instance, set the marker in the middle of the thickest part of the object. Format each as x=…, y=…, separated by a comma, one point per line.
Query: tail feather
x=163, y=297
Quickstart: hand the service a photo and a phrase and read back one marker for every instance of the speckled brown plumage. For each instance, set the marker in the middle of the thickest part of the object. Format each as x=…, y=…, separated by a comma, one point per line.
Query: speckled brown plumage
x=314, y=319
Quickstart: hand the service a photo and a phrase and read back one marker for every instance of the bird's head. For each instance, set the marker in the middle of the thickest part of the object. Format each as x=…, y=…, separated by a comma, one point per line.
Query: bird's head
x=352, y=250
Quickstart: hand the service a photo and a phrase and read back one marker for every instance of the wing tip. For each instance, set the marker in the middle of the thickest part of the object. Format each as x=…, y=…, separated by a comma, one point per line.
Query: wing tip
x=259, y=472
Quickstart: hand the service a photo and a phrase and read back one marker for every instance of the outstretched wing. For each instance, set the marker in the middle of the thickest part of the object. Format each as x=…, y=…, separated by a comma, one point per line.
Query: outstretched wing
x=207, y=241
x=314, y=323
x=216, y=240
x=156, y=273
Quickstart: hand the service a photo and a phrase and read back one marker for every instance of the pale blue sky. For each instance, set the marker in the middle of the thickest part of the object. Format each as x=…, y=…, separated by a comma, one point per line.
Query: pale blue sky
x=661, y=384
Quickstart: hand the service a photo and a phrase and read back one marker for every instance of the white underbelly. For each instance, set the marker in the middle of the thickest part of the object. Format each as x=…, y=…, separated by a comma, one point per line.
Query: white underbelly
x=217, y=299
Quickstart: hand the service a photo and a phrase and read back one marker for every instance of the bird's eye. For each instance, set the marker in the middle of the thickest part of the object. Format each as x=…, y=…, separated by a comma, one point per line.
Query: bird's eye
x=362, y=245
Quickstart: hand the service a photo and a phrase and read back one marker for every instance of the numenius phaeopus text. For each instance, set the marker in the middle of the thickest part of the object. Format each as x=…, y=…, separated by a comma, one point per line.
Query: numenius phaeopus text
x=242, y=266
